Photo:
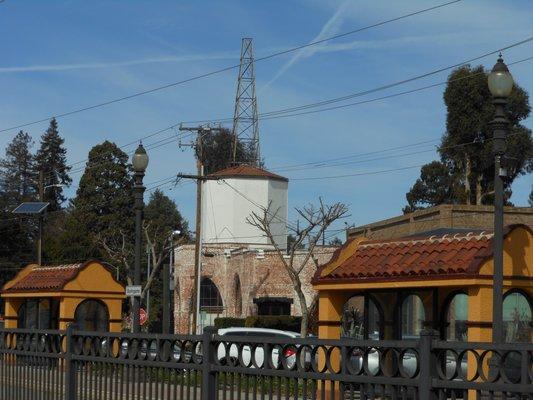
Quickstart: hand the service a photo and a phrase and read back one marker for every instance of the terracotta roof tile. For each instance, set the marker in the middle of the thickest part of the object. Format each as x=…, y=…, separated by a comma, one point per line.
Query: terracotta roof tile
x=247, y=171
x=47, y=278
x=451, y=253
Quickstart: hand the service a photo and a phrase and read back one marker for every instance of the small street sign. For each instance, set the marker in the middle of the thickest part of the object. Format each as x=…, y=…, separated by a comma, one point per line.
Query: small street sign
x=133, y=290
x=143, y=316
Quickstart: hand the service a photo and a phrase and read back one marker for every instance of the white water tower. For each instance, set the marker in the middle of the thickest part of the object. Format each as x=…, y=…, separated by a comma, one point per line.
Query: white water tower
x=241, y=190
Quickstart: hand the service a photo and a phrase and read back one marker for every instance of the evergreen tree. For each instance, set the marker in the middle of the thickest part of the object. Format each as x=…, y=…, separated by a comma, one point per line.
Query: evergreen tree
x=531, y=198
x=102, y=211
x=17, y=171
x=17, y=184
x=217, y=151
x=104, y=199
x=161, y=218
x=51, y=160
x=435, y=186
x=466, y=158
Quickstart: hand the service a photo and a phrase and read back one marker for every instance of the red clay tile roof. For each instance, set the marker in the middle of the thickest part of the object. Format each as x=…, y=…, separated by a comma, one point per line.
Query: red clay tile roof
x=247, y=171
x=459, y=253
x=47, y=278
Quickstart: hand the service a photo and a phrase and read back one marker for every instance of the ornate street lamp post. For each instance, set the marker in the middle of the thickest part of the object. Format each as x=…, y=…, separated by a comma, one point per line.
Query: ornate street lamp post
x=139, y=162
x=500, y=85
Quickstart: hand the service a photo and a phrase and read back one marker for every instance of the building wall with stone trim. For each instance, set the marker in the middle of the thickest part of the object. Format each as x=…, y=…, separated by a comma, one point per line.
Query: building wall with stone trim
x=443, y=216
x=241, y=275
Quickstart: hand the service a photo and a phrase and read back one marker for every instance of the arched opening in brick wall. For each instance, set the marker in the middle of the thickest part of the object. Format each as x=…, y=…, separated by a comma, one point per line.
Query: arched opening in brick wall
x=237, y=295
x=211, y=305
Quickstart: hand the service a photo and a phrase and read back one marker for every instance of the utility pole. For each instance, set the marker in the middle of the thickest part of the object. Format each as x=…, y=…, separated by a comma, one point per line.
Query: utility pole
x=168, y=285
x=40, y=238
x=148, y=261
x=200, y=132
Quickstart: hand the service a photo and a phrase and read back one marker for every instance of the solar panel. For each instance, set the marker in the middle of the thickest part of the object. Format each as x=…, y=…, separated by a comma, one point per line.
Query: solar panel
x=31, y=207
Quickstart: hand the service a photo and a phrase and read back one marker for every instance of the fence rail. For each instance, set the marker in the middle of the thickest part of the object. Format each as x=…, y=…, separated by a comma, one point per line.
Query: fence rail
x=76, y=365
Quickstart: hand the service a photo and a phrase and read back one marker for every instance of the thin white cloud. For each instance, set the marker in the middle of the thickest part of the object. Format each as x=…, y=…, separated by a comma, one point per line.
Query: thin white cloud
x=99, y=65
x=331, y=27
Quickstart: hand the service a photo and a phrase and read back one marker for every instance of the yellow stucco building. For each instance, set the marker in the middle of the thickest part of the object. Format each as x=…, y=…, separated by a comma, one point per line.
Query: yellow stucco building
x=52, y=297
x=393, y=288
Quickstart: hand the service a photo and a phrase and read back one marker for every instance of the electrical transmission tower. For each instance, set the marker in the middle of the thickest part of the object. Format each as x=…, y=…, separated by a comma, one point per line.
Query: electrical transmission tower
x=245, y=123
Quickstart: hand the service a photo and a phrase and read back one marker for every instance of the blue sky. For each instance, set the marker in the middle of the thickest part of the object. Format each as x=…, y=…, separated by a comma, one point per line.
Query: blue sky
x=62, y=55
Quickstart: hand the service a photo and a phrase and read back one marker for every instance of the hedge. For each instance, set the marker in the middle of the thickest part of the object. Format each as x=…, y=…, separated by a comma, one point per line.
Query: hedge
x=227, y=322
x=281, y=322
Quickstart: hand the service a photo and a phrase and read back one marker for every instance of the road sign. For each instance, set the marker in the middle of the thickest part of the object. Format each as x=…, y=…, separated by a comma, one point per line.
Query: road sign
x=143, y=316
x=133, y=290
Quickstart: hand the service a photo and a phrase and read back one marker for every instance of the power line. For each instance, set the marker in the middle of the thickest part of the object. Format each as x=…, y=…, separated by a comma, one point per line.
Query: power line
x=288, y=111
x=229, y=68
x=150, y=187
x=358, y=174
x=317, y=165
x=278, y=113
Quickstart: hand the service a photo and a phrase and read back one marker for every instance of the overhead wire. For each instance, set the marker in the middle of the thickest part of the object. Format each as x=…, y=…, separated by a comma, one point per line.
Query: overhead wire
x=229, y=68
x=280, y=115
x=288, y=111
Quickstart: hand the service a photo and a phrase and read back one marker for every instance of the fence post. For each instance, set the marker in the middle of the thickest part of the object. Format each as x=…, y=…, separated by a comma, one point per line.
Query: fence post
x=70, y=367
x=209, y=378
x=428, y=365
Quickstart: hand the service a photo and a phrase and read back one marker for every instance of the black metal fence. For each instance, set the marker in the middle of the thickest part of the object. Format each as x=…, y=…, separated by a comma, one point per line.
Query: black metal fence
x=71, y=364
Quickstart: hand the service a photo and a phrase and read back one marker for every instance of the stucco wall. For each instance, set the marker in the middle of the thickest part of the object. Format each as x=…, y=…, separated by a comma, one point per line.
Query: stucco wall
x=226, y=206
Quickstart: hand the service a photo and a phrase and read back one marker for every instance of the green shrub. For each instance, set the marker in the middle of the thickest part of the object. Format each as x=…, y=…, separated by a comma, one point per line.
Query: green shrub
x=227, y=322
x=281, y=322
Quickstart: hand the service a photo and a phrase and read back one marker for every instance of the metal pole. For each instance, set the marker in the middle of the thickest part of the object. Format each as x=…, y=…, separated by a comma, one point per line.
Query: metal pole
x=139, y=190
x=148, y=258
x=40, y=237
x=165, y=305
x=500, y=126
x=166, y=291
x=171, y=286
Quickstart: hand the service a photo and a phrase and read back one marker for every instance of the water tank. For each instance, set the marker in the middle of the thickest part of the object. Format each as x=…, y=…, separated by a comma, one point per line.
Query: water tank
x=238, y=192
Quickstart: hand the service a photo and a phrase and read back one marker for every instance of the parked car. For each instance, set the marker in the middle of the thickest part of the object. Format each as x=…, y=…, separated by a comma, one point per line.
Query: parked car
x=289, y=352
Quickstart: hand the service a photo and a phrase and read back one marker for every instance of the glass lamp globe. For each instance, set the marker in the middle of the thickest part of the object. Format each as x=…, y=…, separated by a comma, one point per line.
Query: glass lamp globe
x=139, y=159
x=500, y=80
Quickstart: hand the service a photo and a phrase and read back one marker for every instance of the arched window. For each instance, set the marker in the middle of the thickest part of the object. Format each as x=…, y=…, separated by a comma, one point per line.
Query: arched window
x=92, y=315
x=361, y=318
x=456, y=318
x=211, y=306
x=209, y=296
x=413, y=316
x=237, y=295
x=517, y=317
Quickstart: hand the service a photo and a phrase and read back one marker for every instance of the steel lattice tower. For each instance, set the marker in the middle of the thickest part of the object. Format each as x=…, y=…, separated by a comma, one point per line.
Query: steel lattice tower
x=245, y=121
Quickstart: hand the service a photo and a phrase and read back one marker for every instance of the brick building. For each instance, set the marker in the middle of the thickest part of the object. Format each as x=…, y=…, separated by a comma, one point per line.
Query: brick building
x=446, y=216
x=239, y=281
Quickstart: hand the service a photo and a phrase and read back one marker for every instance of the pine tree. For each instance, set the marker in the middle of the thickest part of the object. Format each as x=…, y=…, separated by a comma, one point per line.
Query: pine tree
x=17, y=184
x=17, y=171
x=104, y=199
x=51, y=160
x=102, y=210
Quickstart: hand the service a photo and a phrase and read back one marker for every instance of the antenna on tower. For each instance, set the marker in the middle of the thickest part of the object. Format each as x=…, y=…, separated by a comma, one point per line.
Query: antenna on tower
x=245, y=121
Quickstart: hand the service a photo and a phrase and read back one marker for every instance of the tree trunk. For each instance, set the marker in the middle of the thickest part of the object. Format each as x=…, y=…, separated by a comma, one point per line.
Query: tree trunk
x=468, y=171
x=303, y=308
x=479, y=191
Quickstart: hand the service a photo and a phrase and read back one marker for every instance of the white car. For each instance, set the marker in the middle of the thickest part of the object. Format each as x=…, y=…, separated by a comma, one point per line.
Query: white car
x=289, y=351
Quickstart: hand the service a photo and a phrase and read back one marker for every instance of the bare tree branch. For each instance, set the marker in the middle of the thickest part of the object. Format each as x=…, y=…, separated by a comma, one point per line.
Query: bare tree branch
x=318, y=220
